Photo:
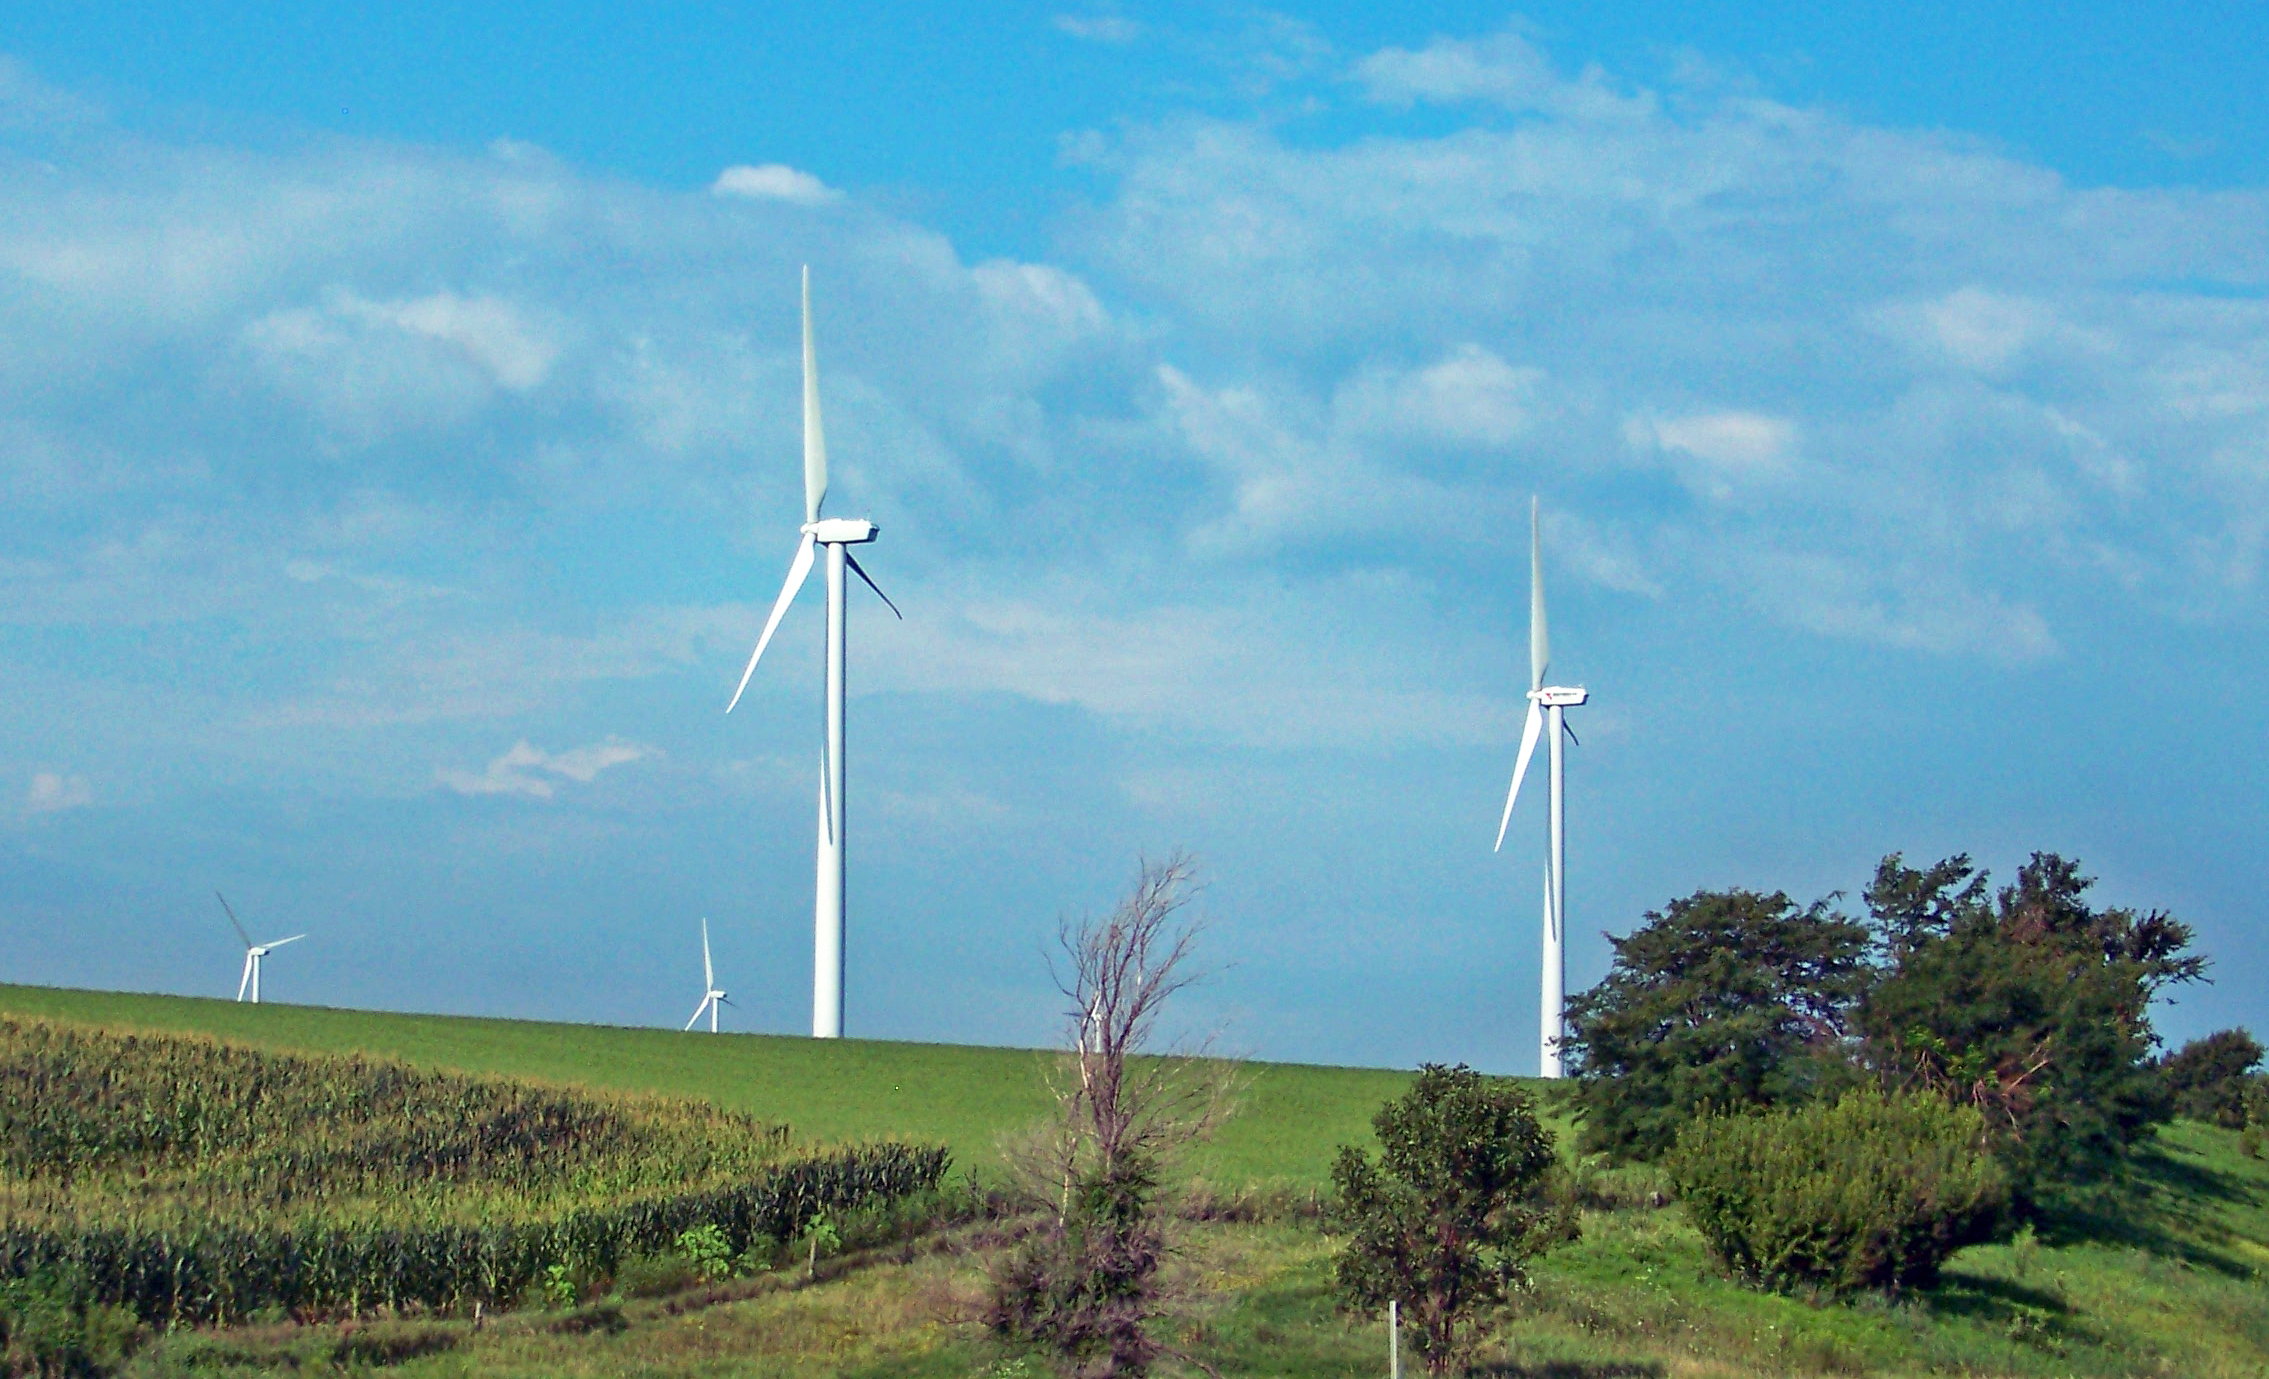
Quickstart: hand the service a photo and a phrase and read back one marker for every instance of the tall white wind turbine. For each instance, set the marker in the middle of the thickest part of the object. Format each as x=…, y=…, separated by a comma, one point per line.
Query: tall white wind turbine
x=838, y=535
x=1547, y=706
x=711, y=997
x=253, y=952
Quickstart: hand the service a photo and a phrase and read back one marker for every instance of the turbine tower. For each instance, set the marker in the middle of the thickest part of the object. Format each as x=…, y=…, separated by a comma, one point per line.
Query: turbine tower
x=711, y=997
x=838, y=535
x=1547, y=708
x=253, y=952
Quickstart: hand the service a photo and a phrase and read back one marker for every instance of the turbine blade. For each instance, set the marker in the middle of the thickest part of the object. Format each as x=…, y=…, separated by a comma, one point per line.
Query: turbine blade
x=815, y=436
x=697, y=1010
x=278, y=943
x=861, y=572
x=1539, y=644
x=245, y=980
x=1571, y=732
x=1529, y=731
x=708, y=973
x=826, y=801
x=798, y=570
x=232, y=919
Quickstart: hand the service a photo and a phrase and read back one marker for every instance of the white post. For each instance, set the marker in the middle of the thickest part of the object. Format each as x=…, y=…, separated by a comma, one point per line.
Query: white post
x=1555, y=908
x=827, y=918
x=255, y=979
x=1394, y=1340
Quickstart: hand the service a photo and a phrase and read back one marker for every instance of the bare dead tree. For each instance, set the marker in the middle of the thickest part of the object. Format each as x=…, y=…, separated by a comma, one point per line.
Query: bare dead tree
x=1089, y=1288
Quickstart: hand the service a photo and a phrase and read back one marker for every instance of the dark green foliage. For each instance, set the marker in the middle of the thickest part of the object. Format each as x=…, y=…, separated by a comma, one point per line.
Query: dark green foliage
x=2207, y=1077
x=1866, y=1192
x=2254, y=1140
x=1084, y=1288
x=1444, y=1220
x=2030, y=1006
x=656, y=1275
x=192, y=1180
x=47, y=1327
x=1724, y=998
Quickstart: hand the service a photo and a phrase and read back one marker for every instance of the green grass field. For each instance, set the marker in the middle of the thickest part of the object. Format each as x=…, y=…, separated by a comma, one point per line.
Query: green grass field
x=2169, y=1277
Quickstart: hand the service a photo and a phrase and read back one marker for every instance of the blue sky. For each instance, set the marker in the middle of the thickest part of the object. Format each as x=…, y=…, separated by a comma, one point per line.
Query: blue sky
x=397, y=417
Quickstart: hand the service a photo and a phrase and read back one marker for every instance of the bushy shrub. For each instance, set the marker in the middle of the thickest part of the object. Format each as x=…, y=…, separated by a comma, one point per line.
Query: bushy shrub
x=2206, y=1078
x=656, y=1275
x=1446, y=1218
x=1871, y=1191
x=46, y=1328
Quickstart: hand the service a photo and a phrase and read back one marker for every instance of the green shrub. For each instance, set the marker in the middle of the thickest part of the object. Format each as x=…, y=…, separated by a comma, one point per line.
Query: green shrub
x=705, y=1247
x=656, y=1275
x=1868, y=1192
x=2206, y=1078
x=46, y=1327
x=1446, y=1218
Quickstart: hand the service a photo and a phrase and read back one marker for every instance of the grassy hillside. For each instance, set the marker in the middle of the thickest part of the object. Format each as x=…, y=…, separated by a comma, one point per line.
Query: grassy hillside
x=1293, y=1116
x=2167, y=1276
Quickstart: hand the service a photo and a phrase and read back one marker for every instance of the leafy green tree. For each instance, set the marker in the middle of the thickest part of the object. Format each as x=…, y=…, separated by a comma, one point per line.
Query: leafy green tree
x=1445, y=1219
x=1723, y=999
x=2031, y=1006
x=2207, y=1077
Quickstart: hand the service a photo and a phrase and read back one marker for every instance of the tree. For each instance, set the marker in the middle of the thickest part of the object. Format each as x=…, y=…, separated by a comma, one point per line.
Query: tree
x=2031, y=1006
x=1086, y=1286
x=2207, y=1077
x=1446, y=1217
x=1724, y=999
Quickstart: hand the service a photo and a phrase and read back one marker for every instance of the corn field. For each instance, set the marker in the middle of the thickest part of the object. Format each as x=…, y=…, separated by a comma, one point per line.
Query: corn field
x=196, y=1180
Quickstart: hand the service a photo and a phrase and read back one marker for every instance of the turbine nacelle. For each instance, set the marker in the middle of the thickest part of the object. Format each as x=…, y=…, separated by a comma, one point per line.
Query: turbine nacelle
x=841, y=531
x=1559, y=696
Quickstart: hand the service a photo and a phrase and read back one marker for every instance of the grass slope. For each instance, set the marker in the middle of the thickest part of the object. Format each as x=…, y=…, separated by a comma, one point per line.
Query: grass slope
x=1292, y=1119
x=2169, y=1277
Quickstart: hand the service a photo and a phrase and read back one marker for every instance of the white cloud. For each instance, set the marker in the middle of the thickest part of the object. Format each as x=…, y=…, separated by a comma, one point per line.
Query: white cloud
x=1503, y=69
x=53, y=790
x=774, y=182
x=515, y=772
x=1098, y=28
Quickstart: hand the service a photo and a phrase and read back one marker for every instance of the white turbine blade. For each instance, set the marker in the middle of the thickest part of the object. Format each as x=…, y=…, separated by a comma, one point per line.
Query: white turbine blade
x=278, y=943
x=861, y=572
x=798, y=570
x=697, y=1011
x=826, y=800
x=232, y=918
x=1539, y=644
x=815, y=436
x=1529, y=732
x=708, y=973
x=245, y=980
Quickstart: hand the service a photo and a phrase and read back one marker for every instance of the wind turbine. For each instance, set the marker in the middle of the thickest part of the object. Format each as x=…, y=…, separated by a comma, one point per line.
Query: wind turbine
x=838, y=535
x=1547, y=706
x=711, y=997
x=253, y=952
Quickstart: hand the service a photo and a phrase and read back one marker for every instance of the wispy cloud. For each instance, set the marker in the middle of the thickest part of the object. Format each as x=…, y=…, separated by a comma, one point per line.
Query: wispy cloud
x=774, y=182
x=51, y=791
x=534, y=773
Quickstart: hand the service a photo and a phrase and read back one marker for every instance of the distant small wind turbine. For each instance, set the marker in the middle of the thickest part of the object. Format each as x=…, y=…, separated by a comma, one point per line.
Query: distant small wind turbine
x=711, y=997
x=253, y=952
x=838, y=535
x=1547, y=706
